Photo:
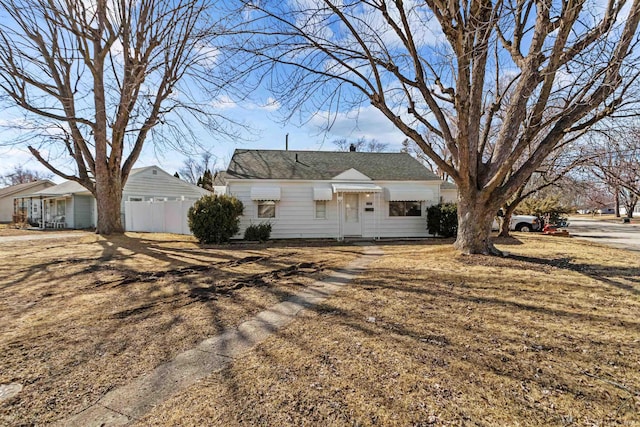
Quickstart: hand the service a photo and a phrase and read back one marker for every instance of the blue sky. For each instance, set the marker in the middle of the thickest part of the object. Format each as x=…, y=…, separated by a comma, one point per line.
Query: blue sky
x=269, y=133
x=261, y=114
x=265, y=118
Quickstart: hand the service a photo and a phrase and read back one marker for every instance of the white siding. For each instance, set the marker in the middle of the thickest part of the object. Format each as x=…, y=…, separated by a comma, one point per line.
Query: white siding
x=158, y=217
x=6, y=203
x=295, y=212
x=69, y=208
x=156, y=186
x=6, y=209
x=412, y=226
x=449, y=195
x=145, y=183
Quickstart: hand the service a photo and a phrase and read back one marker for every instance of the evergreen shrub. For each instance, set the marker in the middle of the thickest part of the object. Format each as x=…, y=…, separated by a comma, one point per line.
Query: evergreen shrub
x=215, y=219
x=442, y=219
x=258, y=232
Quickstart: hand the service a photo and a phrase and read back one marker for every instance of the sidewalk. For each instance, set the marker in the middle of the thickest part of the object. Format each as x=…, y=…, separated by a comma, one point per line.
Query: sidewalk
x=130, y=402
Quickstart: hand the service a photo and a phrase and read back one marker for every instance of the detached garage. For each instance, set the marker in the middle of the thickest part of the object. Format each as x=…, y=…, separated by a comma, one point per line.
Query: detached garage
x=70, y=205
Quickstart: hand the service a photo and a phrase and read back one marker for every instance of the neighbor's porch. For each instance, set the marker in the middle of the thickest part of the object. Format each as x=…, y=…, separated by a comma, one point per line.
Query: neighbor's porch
x=43, y=212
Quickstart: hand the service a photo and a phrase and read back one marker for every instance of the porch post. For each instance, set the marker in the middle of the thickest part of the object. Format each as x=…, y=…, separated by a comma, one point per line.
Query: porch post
x=339, y=217
x=376, y=203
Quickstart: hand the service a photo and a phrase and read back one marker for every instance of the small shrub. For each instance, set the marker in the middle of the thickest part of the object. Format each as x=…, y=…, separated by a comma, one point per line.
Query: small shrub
x=260, y=232
x=215, y=219
x=442, y=219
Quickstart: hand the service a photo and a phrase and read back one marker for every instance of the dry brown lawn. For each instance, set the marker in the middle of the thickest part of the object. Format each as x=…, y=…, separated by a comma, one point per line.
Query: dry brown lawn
x=549, y=336
x=83, y=315
x=12, y=230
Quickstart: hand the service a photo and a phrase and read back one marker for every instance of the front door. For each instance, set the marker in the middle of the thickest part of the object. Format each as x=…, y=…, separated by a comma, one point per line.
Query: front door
x=352, y=223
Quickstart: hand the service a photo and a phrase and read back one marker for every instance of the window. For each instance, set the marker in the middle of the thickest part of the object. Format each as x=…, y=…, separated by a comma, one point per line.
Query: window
x=135, y=198
x=60, y=207
x=405, y=208
x=321, y=209
x=267, y=209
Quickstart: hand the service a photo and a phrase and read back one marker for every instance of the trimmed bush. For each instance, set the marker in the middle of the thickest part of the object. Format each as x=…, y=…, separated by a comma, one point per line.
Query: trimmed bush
x=442, y=219
x=215, y=219
x=260, y=232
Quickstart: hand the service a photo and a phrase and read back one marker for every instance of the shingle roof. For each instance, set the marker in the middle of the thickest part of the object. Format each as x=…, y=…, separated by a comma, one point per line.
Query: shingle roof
x=67, y=187
x=7, y=191
x=324, y=165
x=73, y=187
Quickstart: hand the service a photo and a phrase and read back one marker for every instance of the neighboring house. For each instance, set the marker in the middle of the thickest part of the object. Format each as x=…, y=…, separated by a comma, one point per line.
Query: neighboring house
x=606, y=210
x=74, y=206
x=448, y=192
x=636, y=210
x=8, y=205
x=313, y=194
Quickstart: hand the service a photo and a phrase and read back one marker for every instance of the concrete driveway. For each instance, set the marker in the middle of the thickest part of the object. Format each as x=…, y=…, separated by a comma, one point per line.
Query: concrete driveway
x=615, y=234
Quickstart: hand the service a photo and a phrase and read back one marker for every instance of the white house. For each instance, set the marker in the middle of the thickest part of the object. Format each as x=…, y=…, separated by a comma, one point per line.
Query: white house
x=9, y=196
x=315, y=194
x=448, y=192
x=70, y=205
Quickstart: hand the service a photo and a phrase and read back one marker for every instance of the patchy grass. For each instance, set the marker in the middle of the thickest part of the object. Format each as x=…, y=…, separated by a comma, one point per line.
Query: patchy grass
x=83, y=315
x=547, y=336
x=12, y=230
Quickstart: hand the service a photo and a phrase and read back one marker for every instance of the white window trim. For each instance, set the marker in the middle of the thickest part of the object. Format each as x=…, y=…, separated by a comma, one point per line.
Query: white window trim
x=275, y=206
x=315, y=210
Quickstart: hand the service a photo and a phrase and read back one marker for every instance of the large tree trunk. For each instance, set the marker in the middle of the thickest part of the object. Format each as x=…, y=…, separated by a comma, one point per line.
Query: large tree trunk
x=474, y=226
x=109, y=200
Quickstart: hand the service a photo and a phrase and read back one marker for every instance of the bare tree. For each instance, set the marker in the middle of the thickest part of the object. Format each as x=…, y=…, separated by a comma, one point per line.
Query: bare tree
x=95, y=79
x=499, y=83
x=410, y=147
x=552, y=173
x=360, y=144
x=616, y=163
x=21, y=175
x=193, y=170
x=595, y=195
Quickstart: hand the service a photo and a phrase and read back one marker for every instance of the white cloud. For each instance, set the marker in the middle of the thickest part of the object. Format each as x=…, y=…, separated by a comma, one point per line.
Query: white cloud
x=271, y=105
x=207, y=55
x=223, y=102
x=367, y=122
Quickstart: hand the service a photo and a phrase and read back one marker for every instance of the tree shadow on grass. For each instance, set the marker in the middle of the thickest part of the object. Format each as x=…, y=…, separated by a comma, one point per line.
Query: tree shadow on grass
x=592, y=271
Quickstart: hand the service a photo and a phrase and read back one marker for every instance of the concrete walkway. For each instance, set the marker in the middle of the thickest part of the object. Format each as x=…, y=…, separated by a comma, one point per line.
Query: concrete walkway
x=132, y=401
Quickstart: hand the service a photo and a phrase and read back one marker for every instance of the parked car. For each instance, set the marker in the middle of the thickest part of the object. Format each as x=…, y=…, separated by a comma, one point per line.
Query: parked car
x=524, y=223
